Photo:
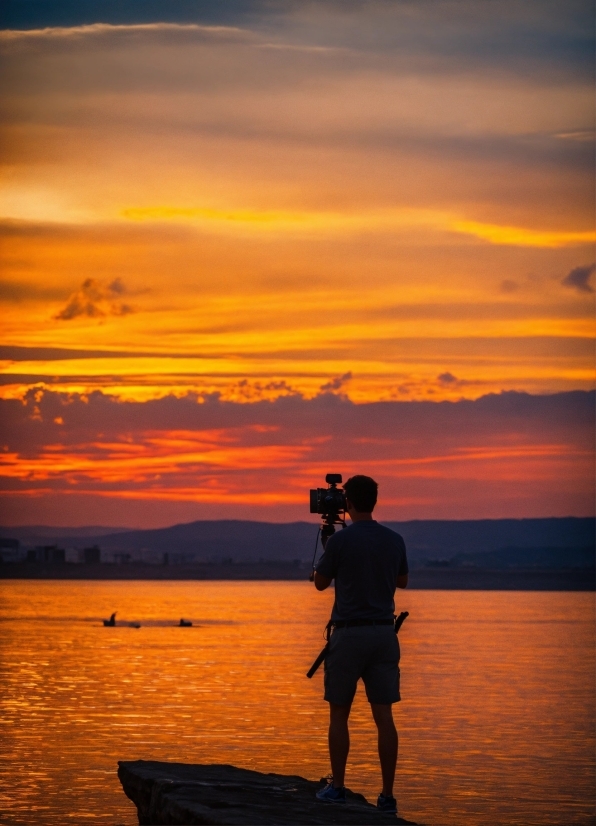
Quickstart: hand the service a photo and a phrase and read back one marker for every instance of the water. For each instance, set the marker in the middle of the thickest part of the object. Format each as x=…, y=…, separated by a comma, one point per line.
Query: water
x=496, y=725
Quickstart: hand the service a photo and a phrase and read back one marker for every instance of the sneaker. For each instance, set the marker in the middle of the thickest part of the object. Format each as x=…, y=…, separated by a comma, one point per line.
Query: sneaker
x=331, y=794
x=388, y=805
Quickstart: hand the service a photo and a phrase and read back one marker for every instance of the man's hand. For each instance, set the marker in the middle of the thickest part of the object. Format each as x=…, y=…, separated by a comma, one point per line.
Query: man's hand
x=321, y=582
x=326, y=532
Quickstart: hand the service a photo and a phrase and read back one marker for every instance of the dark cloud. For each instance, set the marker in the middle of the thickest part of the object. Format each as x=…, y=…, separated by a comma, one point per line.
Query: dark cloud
x=447, y=378
x=579, y=278
x=94, y=299
x=510, y=454
x=336, y=384
x=15, y=353
x=8, y=353
x=419, y=424
x=20, y=379
x=409, y=349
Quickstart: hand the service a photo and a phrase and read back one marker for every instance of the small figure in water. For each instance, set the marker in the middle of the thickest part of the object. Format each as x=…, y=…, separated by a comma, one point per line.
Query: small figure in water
x=185, y=623
x=111, y=622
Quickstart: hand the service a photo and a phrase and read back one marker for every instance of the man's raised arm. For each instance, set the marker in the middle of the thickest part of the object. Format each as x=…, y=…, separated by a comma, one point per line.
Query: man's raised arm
x=402, y=581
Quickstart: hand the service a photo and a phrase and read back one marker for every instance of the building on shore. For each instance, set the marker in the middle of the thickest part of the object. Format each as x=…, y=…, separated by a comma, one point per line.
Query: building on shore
x=90, y=556
x=46, y=553
x=10, y=550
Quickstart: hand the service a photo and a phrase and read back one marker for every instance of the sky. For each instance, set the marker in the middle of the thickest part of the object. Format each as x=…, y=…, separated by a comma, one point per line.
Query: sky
x=248, y=243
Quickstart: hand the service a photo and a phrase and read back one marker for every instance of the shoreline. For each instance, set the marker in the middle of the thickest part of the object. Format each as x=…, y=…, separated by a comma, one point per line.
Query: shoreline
x=479, y=579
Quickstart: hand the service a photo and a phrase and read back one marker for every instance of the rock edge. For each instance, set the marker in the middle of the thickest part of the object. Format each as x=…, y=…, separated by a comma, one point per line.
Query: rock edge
x=222, y=795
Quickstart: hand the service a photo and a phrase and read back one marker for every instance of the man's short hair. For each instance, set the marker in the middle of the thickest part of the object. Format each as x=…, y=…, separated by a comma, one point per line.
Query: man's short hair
x=362, y=493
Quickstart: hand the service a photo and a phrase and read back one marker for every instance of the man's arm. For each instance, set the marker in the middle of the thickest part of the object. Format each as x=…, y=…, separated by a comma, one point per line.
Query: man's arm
x=402, y=581
x=322, y=582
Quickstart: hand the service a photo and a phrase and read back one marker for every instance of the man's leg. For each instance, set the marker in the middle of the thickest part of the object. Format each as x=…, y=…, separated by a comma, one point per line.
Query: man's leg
x=383, y=717
x=339, y=742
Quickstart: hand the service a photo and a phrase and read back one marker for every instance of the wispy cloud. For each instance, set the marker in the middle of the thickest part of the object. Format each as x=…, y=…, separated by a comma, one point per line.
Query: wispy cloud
x=374, y=221
x=523, y=237
x=336, y=384
x=101, y=30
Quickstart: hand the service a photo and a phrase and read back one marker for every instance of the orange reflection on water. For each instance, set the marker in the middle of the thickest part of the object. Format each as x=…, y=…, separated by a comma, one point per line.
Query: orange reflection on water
x=496, y=724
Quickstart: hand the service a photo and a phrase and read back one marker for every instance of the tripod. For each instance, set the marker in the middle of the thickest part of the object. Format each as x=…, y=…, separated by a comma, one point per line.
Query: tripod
x=327, y=529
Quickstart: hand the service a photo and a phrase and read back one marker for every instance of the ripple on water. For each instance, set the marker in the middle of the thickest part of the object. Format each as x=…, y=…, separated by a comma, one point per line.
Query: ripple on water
x=496, y=725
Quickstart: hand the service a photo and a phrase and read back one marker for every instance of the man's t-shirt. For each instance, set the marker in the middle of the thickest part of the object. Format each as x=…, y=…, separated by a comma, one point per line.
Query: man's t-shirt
x=365, y=559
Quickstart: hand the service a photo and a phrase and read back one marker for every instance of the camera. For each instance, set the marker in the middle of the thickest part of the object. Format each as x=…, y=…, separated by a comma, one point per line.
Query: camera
x=329, y=502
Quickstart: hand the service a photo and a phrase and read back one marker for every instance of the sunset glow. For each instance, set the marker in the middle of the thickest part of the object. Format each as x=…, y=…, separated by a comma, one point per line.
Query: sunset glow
x=242, y=218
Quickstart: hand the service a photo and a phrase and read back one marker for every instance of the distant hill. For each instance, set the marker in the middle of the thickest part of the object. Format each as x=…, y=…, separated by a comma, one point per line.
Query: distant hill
x=214, y=541
x=42, y=534
x=246, y=541
x=443, y=539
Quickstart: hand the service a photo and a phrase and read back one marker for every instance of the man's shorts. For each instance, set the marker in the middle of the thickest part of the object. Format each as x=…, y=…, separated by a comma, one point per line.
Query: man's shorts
x=370, y=652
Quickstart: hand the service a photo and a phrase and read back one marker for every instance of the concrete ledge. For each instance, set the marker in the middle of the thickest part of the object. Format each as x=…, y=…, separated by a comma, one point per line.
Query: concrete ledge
x=182, y=793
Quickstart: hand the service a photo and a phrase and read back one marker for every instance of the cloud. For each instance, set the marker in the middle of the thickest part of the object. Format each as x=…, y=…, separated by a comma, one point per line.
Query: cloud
x=17, y=353
x=580, y=135
x=375, y=221
x=526, y=34
x=391, y=85
x=579, y=278
x=510, y=454
x=97, y=416
x=395, y=145
x=522, y=236
x=420, y=80
x=94, y=299
x=98, y=31
x=447, y=378
x=336, y=384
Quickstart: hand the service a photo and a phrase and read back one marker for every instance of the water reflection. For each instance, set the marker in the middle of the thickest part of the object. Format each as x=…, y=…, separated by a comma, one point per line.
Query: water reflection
x=496, y=725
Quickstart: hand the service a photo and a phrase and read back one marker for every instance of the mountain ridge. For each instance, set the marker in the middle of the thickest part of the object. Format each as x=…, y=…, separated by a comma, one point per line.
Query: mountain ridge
x=254, y=541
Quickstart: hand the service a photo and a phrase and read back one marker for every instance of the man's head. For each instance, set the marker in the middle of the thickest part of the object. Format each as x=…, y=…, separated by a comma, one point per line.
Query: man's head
x=361, y=493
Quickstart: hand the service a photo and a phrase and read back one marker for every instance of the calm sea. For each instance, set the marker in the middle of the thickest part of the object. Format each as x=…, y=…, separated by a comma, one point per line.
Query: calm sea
x=496, y=723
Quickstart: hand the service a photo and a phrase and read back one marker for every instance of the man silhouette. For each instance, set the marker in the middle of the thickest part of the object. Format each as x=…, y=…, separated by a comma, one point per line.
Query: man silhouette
x=367, y=561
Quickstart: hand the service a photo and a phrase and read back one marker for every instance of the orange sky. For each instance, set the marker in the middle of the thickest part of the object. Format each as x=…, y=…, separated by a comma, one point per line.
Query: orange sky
x=293, y=209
